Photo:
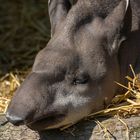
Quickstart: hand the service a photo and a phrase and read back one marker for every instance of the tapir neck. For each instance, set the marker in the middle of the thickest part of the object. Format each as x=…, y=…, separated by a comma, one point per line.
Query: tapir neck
x=129, y=54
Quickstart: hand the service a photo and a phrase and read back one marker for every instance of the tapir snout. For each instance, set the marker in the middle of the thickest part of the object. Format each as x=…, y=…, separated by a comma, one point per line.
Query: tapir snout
x=36, y=104
x=74, y=75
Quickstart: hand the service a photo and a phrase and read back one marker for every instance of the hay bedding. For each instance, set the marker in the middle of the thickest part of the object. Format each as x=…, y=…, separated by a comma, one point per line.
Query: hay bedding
x=24, y=30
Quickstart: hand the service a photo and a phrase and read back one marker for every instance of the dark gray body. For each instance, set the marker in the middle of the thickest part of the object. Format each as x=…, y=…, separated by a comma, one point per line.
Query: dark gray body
x=92, y=45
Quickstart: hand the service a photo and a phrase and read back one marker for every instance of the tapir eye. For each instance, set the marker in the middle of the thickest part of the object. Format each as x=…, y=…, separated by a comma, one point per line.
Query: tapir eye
x=81, y=79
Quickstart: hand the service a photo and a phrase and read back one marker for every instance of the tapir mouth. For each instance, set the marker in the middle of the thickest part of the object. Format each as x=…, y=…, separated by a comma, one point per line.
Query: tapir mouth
x=46, y=122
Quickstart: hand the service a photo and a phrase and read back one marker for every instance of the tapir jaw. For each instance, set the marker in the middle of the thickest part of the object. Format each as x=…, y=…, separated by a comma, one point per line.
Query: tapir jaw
x=46, y=122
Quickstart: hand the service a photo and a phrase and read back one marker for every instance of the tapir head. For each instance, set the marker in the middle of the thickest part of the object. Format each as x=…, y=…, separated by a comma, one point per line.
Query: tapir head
x=74, y=75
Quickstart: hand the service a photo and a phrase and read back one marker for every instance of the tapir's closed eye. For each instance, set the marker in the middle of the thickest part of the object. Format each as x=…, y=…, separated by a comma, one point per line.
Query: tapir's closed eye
x=81, y=79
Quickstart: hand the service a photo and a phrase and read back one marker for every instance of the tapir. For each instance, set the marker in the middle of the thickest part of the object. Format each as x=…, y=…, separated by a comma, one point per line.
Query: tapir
x=92, y=44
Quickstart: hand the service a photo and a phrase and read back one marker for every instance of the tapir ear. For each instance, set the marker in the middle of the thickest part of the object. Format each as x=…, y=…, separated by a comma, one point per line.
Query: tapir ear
x=58, y=10
x=118, y=25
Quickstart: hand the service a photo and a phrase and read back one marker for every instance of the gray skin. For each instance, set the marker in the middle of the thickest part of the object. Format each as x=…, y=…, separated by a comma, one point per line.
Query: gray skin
x=93, y=42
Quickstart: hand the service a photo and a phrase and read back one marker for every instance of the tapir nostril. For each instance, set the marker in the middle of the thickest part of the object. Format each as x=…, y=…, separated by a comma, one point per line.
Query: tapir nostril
x=14, y=119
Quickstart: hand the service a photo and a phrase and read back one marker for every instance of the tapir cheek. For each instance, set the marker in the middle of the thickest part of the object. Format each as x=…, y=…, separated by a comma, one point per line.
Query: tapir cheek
x=73, y=99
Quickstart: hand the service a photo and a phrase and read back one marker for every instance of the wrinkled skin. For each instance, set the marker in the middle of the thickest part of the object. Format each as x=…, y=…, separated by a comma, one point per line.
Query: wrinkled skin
x=74, y=74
